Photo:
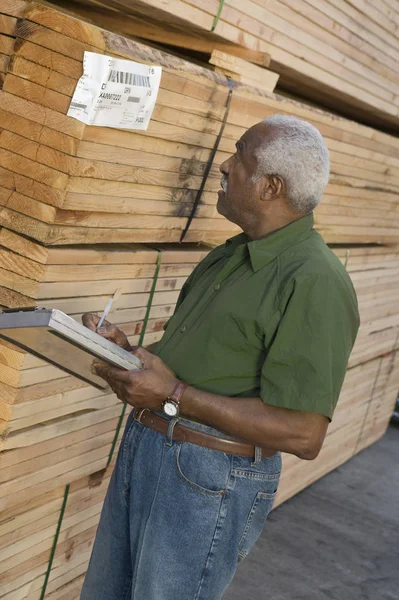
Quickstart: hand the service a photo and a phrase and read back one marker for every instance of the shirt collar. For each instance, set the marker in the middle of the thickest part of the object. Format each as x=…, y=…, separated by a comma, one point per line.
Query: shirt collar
x=266, y=249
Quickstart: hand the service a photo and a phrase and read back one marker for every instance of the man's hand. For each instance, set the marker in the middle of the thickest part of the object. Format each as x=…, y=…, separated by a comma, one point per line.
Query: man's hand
x=147, y=388
x=107, y=330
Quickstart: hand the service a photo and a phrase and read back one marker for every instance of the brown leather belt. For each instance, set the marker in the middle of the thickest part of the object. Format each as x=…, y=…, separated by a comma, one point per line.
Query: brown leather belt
x=185, y=434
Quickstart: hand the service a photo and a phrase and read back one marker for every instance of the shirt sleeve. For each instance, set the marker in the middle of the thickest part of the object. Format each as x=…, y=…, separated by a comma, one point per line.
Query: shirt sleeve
x=306, y=363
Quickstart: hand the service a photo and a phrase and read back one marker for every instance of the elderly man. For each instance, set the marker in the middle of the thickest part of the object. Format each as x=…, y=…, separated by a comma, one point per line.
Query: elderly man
x=250, y=365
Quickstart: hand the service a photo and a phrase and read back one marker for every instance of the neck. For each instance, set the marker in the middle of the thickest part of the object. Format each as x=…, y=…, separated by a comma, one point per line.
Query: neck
x=261, y=228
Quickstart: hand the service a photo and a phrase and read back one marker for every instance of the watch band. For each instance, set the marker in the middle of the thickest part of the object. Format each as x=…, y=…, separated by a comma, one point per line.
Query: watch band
x=178, y=392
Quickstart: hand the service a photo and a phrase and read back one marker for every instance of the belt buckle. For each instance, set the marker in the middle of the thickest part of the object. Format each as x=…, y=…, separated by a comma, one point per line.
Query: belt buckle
x=140, y=414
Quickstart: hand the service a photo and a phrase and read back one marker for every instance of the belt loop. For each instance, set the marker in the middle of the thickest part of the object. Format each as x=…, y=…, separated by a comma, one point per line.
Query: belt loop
x=257, y=457
x=169, y=433
x=138, y=413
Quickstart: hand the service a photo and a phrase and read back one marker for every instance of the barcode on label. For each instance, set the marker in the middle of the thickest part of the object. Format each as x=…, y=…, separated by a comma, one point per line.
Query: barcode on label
x=129, y=78
x=77, y=105
x=133, y=99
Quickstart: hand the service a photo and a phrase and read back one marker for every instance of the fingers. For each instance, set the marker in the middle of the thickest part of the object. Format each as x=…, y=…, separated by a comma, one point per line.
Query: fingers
x=113, y=334
x=119, y=390
x=144, y=356
x=90, y=321
x=108, y=331
x=118, y=380
x=101, y=369
x=111, y=374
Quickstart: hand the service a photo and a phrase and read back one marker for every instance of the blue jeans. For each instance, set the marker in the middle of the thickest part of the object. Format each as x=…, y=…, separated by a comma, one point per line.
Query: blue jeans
x=177, y=519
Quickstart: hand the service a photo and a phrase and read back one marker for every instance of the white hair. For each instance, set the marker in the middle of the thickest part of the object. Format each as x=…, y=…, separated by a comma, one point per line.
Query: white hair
x=299, y=155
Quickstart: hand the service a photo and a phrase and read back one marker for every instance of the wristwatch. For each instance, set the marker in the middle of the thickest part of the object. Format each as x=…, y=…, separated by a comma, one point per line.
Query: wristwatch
x=172, y=402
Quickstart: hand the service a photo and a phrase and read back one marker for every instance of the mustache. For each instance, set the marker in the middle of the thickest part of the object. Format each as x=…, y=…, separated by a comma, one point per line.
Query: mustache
x=223, y=182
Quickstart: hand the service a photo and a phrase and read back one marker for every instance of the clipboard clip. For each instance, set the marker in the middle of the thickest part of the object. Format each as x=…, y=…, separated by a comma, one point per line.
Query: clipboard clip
x=22, y=309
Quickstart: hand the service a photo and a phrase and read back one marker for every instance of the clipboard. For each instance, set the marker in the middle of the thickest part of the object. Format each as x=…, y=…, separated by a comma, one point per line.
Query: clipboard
x=59, y=340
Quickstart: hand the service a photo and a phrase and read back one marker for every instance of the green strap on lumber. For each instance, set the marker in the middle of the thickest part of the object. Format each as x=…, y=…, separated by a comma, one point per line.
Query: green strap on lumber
x=141, y=339
x=55, y=542
x=118, y=428
x=209, y=164
x=347, y=258
x=217, y=17
x=151, y=298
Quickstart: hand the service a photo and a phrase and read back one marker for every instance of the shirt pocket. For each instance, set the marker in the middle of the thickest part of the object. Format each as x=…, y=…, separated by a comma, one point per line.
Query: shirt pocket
x=238, y=332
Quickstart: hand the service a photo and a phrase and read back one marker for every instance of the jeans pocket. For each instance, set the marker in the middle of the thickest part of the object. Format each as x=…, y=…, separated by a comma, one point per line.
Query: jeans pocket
x=206, y=471
x=255, y=523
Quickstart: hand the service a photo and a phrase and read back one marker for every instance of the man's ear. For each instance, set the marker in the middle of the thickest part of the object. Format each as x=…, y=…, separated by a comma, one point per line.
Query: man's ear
x=272, y=188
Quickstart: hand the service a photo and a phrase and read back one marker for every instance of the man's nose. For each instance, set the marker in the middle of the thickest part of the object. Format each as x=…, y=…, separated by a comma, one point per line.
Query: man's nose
x=224, y=167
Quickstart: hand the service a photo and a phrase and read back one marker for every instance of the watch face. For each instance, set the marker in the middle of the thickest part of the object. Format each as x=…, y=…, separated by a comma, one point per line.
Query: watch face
x=170, y=409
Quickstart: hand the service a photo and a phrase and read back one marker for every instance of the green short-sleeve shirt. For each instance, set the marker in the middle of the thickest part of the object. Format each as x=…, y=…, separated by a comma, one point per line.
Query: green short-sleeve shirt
x=275, y=318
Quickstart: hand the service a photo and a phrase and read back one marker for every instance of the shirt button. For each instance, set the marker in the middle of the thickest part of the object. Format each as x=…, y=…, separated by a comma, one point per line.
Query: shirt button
x=183, y=328
x=216, y=287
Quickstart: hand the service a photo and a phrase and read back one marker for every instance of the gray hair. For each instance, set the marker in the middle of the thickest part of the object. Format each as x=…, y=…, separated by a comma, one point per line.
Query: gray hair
x=299, y=155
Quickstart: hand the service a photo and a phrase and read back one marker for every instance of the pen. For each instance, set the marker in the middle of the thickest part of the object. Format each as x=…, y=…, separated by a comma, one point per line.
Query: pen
x=108, y=308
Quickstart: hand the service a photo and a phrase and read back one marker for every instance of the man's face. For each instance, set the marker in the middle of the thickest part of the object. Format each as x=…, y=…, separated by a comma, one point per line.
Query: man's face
x=238, y=200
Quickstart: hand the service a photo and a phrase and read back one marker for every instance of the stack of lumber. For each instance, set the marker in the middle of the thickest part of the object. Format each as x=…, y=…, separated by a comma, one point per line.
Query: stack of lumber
x=77, y=280
x=75, y=186
x=375, y=274
x=56, y=429
x=340, y=53
x=66, y=183
x=28, y=527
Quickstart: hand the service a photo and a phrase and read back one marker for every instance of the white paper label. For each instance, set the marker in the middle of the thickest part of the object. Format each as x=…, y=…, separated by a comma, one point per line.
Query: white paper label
x=115, y=93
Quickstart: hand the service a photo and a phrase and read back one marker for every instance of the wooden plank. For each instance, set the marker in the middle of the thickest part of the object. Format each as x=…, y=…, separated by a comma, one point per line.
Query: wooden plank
x=165, y=34
x=36, y=132
x=33, y=189
x=58, y=63
x=23, y=246
x=38, y=94
x=36, y=171
x=43, y=76
x=316, y=22
x=21, y=265
x=7, y=24
x=258, y=77
x=6, y=45
x=120, y=140
x=40, y=114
